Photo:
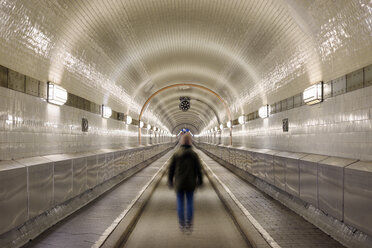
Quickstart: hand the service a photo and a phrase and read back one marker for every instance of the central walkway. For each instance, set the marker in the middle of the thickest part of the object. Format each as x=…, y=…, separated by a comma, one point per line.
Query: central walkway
x=158, y=225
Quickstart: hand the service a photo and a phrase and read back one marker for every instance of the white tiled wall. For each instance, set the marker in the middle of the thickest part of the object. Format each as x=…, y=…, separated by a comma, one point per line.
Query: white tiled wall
x=340, y=126
x=31, y=127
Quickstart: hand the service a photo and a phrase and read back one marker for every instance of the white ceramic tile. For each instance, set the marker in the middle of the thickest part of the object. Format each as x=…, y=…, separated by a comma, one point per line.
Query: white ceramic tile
x=331, y=128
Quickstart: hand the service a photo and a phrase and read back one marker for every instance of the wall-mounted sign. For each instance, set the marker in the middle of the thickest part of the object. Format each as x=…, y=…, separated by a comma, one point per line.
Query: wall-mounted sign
x=84, y=125
x=285, y=125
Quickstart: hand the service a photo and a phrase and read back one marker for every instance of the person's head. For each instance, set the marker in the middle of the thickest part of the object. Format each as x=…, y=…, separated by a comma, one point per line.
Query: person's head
x=185, y=139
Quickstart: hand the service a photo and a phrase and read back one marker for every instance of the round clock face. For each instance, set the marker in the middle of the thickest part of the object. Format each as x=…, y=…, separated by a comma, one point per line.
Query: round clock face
x=185, y=105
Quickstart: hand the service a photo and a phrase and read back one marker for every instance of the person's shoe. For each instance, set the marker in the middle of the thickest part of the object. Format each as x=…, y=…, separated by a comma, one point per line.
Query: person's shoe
x=182, y=226
x=188, y=227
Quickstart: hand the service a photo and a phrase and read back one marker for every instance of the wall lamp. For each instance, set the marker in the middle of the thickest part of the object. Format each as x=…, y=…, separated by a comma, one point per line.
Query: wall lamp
x=56, y=94
x=221, y=126
x=148, y=126
x=128, y=119
x=106, y=111
x=313, y=94
x=228, y=124
x=141, y=124
x=264, y=111
x=216, y=129
x=241, y=119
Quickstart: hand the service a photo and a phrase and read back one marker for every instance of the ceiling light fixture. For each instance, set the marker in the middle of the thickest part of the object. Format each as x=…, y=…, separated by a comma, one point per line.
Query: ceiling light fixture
x=184, y=103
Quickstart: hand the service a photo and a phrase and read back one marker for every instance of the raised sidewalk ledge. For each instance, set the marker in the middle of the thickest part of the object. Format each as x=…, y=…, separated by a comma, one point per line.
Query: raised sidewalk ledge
x=339, y=188
x=32, y=186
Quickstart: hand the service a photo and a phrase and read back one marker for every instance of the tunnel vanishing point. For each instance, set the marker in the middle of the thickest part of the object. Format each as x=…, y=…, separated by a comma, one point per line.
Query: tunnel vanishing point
x=276, y=94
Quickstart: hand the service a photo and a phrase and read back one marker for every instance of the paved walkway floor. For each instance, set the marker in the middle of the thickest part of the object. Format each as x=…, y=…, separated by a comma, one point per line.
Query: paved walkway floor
x=158, y=224
x=286, y=227
x=85, y=227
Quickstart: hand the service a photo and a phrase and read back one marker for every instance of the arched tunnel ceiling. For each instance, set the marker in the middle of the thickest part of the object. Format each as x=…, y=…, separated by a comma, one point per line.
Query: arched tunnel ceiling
x=251, y=52
x=204, y=106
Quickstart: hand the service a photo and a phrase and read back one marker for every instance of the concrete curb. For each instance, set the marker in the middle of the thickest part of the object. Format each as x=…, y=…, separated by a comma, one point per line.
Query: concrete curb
x=250, y=233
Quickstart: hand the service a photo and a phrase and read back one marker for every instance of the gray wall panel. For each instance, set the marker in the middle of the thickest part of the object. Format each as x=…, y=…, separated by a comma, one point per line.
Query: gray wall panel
x=101, y=162
x=92, y=171
x=330, y=185
x=292, y=174
x=110, y=167
x=40, y=188
x=62, y=181
x=279, y=171
x=309, y=178
x=117, y=162
x=79, y=166
x=358, y=196
x=13, y=195
x=260, y=166
x=269, y=166
x=249, y=160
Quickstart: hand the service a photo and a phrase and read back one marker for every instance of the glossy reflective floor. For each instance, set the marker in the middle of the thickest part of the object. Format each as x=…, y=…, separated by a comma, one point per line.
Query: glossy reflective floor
x=158, y=225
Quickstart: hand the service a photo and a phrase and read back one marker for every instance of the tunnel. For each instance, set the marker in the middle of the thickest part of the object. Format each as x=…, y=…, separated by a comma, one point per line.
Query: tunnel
x=99, y=98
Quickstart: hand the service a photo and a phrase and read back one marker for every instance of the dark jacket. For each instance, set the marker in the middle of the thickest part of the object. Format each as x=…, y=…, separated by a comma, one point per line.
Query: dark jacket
x=185, y=167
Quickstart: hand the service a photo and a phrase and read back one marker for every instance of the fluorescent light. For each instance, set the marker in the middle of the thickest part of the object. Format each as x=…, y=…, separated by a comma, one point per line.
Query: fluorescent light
x=106, y=111
x=228, y=124
x=56, y=94
x=148, y=126
x=241, y=119
x=141, y=124
x=128, y=119
x=313, y=94
x=221, y=126
x=264, y=111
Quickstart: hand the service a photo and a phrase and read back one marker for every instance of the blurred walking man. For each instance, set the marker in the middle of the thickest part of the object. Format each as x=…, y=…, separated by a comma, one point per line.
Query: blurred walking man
x=185, y=168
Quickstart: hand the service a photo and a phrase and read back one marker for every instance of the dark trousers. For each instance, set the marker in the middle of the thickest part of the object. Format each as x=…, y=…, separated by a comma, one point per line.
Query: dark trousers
x=181, y=206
